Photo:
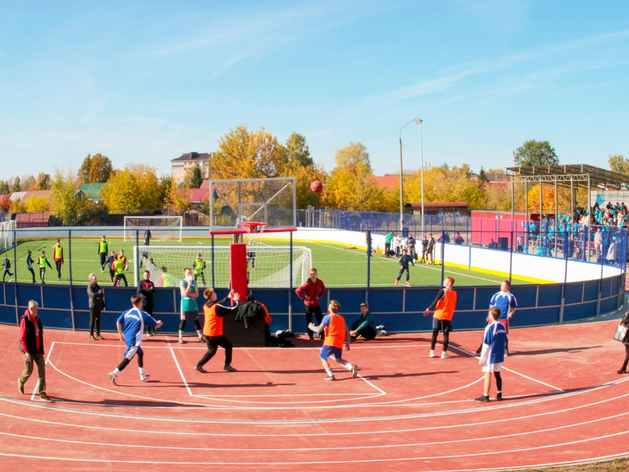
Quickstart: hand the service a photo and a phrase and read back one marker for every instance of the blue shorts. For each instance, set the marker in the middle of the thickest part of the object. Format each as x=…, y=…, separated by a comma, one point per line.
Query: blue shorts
x=328, y=351
x=441, y=325
x=132, y=351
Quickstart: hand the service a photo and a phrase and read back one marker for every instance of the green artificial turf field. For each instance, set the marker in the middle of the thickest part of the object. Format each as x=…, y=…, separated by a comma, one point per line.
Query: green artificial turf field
x=338, y=266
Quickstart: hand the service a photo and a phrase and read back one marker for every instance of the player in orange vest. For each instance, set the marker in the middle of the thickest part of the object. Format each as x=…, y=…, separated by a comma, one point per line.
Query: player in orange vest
x=445, y=303
x=336, y=334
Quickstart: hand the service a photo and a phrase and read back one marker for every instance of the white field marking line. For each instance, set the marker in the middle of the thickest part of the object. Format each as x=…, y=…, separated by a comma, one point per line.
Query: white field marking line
x=124, y=393
x=511, y=370
x=337, y=461
x=183, y=378
x=317, y=448
x=392, y=403
x=308, y=423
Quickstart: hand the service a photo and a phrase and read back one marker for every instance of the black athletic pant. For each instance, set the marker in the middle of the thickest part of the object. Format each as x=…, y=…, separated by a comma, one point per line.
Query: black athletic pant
x=5, y=274
x=367, y=332
x=125, y=362
x=58, y=266
x=94, y=320
x=212, y=345
x=182, y=325
x=202, y=275
x=408, y=275
x=624, y=364
x=316, y=311
x=32, y=273
x=121, y=277
x=103, y=258
x=446, y=339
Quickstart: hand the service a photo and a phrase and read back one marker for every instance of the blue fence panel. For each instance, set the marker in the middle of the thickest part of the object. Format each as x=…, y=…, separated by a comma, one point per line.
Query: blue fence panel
x=573, y=293
x=549, y=295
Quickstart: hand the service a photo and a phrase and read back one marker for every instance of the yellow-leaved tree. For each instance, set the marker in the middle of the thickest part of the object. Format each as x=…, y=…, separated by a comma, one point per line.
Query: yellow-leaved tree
x=132, y=190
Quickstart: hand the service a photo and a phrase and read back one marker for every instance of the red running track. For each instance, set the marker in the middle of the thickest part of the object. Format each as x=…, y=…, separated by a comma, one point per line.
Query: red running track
x=564, y=404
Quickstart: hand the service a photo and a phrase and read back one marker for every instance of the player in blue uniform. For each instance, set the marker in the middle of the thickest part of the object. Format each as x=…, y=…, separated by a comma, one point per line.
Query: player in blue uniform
x=507, y=304
x=130, y=330
x=493, y=353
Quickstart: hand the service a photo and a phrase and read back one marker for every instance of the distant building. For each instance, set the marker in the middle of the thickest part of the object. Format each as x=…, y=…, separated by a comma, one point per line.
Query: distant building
x=438, y=208
x=182, y=164
x=89, y=192
x=387, y=181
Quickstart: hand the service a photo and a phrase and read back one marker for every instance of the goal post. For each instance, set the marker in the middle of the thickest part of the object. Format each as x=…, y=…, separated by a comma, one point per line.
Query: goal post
x=6, y=235
x=268, y=266
x=162, y=228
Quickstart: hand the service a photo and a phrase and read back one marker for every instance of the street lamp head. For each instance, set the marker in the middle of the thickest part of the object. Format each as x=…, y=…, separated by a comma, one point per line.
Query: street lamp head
x=418, y=121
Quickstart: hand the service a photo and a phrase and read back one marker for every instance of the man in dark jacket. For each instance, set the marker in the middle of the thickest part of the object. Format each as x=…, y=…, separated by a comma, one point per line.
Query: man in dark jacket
x=32, y=345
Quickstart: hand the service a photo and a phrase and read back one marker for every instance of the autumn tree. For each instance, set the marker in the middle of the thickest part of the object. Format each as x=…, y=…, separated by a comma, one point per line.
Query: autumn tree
x=64, y=202
x=37, y=204
x=349, y=186
x=617, y=163
x=5, y=203
x=297, y=152
x=177, y=199
x=535, y=153
x=132, y=190
x=95, y=169
x=27, y=182
x=4, y=187
x=43, y=181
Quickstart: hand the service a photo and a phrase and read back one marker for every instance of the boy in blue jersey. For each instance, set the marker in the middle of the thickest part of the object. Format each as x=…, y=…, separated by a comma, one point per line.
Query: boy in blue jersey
x=493, y=353
x=507, y=303
x=130, y=330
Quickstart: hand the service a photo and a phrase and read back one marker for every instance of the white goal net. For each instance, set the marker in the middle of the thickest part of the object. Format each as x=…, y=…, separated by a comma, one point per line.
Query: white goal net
x=6, y=234
x=267, y=266
x=161, y=228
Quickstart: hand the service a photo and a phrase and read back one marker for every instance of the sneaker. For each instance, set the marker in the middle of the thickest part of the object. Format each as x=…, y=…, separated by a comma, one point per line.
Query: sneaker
x=499, y=396
x=483, y=399
x=98, y=336
x=432, y=354
x=408, y=283
x=112, y=377
x=396, y=282
x=506, y=352
x=229, y=368
x=354, y=371
x=144, y=377
x=329, y=377
x=20, y=386
x=180, y=340
x=43, y=397
x=200, y=368
x=445, y=355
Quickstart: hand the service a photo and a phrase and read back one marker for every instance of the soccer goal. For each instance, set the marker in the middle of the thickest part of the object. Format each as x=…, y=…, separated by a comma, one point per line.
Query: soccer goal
x=6, y=235
x=162, y=228
x=268, y=266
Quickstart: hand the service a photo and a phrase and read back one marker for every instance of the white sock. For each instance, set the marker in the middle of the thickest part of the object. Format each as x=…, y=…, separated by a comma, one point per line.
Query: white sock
x=116, y=371
x=329, y=371
x=200, y=333
x=141, y=370
x=181, y=334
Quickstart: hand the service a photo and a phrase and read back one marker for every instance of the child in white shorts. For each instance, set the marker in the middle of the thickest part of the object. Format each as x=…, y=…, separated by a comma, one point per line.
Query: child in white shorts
x=493, y=353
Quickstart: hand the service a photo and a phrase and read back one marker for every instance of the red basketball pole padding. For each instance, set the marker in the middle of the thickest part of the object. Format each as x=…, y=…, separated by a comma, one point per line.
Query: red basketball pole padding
x=238, y=268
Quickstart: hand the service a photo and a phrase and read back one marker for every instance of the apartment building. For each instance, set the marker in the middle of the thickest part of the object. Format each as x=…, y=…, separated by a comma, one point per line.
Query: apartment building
x=182, y=164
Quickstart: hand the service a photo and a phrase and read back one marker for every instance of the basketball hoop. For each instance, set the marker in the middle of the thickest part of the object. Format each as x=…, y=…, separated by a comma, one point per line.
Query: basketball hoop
x=254, y=231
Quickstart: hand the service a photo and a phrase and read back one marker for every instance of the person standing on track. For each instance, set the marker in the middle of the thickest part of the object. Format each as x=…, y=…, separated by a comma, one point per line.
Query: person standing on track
x=311, y=292
x=213, y=328
x=32, y=346
x=103, y=249
x=57, y=256
x=130, y=331
x=507, y=303
x=189, y=307
x=404, y=261
x=493, y=353
x=146, y=292
x=445, y=304
x=336, y=334
x=96, y=304
x=43, y=261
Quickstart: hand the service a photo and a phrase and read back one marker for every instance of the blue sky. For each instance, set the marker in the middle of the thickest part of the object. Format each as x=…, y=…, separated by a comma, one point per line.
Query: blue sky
x=145, y=82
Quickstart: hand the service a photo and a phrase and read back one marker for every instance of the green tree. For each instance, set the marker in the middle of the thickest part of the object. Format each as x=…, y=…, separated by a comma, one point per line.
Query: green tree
x=617, y=163
x=482, y=175
x=132, y=190
x=535, y=153
x=95, y=169
x=43, y=181
x=4, y=187
x=16, y=187
x=194, y=177
x=165, y=182
x=297, y=152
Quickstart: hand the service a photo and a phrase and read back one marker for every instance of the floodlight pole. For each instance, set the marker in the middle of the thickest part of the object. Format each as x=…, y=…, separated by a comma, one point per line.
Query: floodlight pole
x=418, y=122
